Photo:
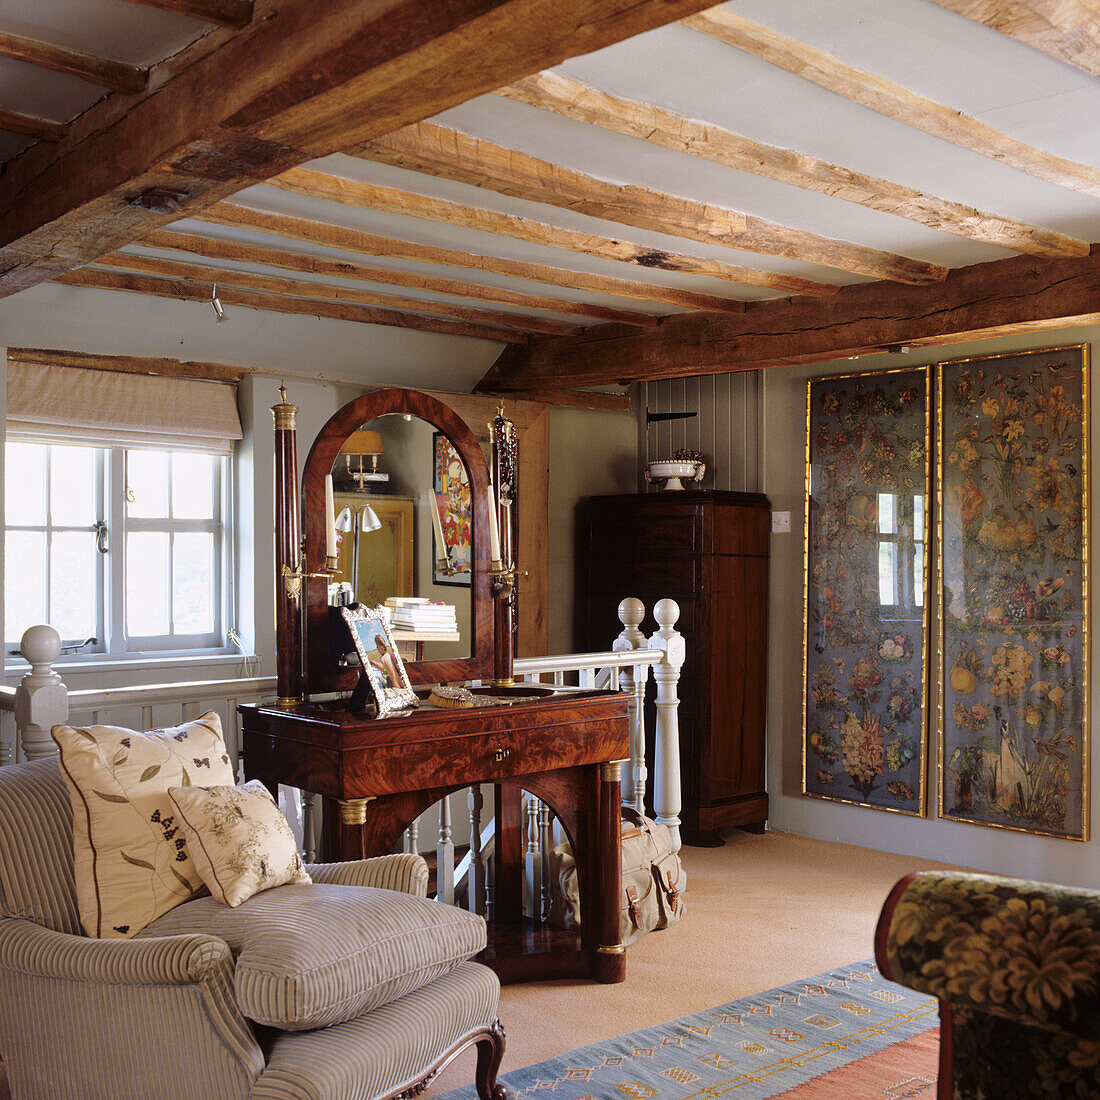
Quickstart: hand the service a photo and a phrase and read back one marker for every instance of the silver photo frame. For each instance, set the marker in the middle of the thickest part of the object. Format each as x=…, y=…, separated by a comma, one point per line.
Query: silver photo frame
x=381, y=663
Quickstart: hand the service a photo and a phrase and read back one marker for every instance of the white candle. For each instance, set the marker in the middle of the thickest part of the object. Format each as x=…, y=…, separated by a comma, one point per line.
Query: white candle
x=330, y=519
x=440, y=545
x=494, y=534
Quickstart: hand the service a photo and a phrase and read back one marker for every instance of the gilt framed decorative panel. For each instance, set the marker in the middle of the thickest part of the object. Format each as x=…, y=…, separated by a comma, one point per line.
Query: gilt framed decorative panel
x=866, y=567
x=1012, y=445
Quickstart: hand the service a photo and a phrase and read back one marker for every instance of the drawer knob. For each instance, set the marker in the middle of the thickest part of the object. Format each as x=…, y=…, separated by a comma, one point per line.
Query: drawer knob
x=501, y=754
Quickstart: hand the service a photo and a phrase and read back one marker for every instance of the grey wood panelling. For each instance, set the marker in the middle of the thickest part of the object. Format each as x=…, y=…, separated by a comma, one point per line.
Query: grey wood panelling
x=726, y=428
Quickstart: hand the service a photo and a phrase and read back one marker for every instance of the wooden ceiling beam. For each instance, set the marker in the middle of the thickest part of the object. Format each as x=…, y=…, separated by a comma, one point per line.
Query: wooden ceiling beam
x=225, y=13
x=302, y=80
x=354, y=240
x=892, y=100
x=41, y=129
x=575, y=399
x=754, y=235
x=130, y=364
x=275, y=303
x=449, y=154
x=572, y=99
x=1066, y=29
x=113, y=75
x=214, y=248
x=984, y=300
x=299, y=288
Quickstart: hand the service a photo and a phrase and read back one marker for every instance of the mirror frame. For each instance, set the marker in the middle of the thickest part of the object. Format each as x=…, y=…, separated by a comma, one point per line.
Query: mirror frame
x=320, y=675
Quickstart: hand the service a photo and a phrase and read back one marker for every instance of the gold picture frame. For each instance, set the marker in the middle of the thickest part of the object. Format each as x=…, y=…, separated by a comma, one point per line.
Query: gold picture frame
x=1012, y=438
x=383, y=669
x=866, y=569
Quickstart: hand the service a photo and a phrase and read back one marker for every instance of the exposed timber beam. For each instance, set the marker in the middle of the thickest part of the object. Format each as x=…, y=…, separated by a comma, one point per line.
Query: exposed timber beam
x=130, y=364
x=576, y=399
x=753, y=235
x=96, y=70
x=892, y=100
x=299, y=288
x=302, y=80
x=1066, y=29
x=41, y=129
x=572, y=99
x=448, y=154
x=354, y=240
x=215, y=248
x=275, y=303
x=225, y=13
x=984, y=300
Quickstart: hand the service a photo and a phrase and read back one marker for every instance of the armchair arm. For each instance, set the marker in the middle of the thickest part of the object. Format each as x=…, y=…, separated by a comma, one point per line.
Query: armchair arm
x=159, y=1014
x=405, y=872
x=1024, y=951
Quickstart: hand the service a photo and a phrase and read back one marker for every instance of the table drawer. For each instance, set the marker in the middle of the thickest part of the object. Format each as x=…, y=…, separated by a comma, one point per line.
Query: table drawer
x=481, y=758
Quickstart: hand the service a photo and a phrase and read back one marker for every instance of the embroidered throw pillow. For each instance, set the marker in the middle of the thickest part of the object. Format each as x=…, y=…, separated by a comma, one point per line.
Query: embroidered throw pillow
x=129, y=853
x=239, y=840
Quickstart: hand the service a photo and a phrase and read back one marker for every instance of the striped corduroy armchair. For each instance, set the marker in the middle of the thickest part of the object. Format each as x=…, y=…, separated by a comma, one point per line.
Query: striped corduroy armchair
x=160, y=1016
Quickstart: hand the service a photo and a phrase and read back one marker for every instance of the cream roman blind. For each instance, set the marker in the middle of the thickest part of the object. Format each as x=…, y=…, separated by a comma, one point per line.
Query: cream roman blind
x=100, y=408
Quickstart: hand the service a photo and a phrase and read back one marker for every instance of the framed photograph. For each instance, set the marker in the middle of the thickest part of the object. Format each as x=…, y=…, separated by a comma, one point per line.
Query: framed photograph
x=1012, y=447
x=451, y=486
x=866, y=589
x=384, y=671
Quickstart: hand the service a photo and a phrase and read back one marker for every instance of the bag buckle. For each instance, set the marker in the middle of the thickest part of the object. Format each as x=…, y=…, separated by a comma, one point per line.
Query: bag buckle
x=633, y=906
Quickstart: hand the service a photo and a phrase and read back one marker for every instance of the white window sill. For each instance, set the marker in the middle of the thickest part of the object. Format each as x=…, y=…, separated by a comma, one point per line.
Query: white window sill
x=172, y=667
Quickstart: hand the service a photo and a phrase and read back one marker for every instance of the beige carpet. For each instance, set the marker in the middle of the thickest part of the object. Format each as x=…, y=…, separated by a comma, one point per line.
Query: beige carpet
x=762, y=911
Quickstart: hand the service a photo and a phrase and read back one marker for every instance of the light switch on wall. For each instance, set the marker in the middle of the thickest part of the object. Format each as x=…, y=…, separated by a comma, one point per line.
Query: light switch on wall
x=781, y=523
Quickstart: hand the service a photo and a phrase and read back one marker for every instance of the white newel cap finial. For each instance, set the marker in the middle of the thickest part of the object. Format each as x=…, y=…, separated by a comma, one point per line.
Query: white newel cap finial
x=41, y=699
x=631, y=613
x=41, y=646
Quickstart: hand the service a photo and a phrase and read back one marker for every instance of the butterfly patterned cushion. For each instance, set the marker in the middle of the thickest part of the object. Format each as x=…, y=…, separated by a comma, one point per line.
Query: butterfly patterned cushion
x=238, y=840
x=129, y=851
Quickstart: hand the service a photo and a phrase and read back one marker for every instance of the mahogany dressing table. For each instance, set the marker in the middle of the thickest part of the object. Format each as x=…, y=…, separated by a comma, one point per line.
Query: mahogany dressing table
x=376, y=776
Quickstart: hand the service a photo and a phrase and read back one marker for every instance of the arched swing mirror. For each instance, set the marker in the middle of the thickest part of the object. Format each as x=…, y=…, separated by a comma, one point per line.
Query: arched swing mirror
x=410, y=511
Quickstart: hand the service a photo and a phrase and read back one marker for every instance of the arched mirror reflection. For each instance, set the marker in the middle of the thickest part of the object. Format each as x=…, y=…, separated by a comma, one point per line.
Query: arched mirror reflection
x=402, y=506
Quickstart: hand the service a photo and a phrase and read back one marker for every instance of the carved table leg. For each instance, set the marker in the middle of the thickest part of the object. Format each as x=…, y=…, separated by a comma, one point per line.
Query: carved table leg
x=609, y=964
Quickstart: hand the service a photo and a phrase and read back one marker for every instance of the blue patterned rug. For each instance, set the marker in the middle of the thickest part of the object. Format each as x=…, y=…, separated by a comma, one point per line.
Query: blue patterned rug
x=754, y=1048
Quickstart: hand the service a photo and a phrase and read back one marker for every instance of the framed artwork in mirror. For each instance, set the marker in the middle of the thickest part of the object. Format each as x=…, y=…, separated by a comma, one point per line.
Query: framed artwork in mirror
x=384, y=676
x=1012, y=448
x=866, y=589
x=452, y=501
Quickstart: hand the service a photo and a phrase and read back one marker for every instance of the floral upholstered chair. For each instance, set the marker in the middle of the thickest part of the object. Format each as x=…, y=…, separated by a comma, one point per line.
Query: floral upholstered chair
x=334, y=990
x=1016, y=967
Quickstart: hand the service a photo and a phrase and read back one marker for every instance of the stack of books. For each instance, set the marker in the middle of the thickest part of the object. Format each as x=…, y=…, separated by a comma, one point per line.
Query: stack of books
x=418, y=614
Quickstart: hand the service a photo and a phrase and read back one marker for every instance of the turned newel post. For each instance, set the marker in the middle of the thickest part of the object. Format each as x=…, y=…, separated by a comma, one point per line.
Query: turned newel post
x=288, y=580
x=631, y=613
x=41, y=699
x=667, y=799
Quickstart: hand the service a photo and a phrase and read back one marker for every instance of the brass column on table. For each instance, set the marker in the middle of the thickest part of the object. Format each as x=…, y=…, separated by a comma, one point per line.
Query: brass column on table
x=288, y=582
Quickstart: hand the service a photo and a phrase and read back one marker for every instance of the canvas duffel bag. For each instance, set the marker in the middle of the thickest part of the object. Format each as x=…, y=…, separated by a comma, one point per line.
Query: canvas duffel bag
x=653, y=880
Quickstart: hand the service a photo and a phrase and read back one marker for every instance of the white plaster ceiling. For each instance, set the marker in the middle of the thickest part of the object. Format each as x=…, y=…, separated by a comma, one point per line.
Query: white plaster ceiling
x=1022, y=92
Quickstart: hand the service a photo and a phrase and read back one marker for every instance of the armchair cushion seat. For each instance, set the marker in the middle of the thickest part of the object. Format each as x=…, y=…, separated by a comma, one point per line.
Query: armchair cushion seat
x=313, y=956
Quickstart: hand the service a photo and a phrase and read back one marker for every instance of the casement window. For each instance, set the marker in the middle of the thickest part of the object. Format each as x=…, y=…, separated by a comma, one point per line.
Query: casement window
x=108, y=535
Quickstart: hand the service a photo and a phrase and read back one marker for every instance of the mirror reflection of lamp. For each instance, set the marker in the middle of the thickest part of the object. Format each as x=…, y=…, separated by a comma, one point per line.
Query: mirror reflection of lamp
x=364, y=443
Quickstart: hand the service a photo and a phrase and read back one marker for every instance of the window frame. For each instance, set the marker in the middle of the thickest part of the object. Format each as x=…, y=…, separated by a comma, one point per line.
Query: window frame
x=113, y=641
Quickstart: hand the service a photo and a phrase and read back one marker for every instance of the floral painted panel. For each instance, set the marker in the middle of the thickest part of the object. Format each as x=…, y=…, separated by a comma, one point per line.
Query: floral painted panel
x=1013, y=433
x=866, y=589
